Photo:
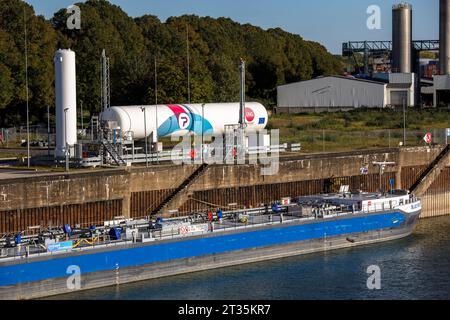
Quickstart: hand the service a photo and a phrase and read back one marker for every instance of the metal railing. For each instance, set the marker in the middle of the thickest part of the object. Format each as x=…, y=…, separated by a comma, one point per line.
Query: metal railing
x=185, y=156
x=389, y=206
x=20, y=252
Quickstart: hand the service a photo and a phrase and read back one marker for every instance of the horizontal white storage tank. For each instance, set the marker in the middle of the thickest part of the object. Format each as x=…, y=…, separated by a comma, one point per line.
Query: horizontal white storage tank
x=179, y=120
x=66, y=101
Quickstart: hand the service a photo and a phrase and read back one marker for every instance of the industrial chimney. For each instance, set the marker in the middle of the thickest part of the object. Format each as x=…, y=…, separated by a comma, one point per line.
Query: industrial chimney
x=444, y=37
x=402, y=38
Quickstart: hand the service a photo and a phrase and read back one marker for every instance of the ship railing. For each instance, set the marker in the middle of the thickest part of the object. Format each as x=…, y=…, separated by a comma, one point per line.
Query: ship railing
x=387, y=206
x=235, y=225
x=22, y=253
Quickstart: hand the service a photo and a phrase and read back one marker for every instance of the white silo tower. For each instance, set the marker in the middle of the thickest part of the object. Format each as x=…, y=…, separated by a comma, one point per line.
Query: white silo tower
x=66, y=102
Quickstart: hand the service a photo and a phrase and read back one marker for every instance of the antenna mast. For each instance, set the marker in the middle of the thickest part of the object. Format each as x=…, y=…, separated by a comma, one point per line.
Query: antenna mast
x=105, y=82
x=242, y=104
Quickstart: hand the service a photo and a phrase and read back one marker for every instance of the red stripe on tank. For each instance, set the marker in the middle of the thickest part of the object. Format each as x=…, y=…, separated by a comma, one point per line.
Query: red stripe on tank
x=176, y=109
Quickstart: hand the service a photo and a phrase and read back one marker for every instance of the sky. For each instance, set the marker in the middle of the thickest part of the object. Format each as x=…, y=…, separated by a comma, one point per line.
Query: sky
x=330, y=22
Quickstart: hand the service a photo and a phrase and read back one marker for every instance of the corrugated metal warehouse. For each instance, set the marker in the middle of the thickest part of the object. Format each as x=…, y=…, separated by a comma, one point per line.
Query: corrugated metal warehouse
x=338, y=93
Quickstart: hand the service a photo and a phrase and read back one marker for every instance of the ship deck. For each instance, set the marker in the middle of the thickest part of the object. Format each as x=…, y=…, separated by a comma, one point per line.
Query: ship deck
x=187, y=228
x=255, y=220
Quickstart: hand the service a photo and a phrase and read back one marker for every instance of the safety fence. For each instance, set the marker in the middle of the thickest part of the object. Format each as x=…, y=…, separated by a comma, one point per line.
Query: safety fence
x=17, y=136
x=326, y=140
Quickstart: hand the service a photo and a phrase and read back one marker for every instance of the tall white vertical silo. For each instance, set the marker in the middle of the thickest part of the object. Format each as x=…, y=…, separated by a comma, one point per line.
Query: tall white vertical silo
x=66, y=102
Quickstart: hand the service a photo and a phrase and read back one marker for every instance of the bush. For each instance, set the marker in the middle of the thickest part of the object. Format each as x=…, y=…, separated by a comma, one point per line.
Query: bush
x=328, y=123
x=331, y=138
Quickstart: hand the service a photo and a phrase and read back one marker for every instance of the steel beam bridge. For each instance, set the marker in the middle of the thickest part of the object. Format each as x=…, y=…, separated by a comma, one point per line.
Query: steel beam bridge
x=383, y=47
x=351, y=47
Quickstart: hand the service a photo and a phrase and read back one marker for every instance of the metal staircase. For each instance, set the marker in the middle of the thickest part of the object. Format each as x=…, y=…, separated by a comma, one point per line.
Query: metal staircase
x=111, y=149
x=427, y=178
x=95, y=127
x=178, y=197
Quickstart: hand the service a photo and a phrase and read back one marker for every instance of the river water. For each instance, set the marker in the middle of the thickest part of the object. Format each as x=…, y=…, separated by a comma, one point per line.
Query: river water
x=417, y=267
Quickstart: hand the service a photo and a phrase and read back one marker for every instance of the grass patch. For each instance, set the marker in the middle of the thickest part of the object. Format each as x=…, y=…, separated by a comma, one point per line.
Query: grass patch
x=363, y=129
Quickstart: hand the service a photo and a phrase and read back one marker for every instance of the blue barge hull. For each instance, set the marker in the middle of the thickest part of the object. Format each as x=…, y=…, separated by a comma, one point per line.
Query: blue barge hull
x=26, y=278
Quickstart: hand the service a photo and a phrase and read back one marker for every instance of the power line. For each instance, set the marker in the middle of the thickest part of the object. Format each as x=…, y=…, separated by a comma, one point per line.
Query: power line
x=156, y=82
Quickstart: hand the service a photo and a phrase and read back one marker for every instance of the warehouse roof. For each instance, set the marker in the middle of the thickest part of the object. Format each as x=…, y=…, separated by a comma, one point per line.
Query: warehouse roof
x=340, y=77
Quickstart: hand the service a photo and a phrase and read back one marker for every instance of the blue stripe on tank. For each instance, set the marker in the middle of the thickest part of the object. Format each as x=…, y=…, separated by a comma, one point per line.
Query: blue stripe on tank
x=131, y=257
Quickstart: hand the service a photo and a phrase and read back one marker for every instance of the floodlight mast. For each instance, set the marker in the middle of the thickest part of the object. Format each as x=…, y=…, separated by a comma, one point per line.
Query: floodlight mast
x=242, y=124
x=242, y=105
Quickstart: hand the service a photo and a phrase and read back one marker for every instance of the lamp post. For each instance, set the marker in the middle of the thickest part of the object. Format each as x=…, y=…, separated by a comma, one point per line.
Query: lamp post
x=404, y=122
x=65, y=138
x=156, y=135
x=81, y=111
x=156, y=118
x=203, y=131
x=48, y=129
x=26, y=88
x=145, y=130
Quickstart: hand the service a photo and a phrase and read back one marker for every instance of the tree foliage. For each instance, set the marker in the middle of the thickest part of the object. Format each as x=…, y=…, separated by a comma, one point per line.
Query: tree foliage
x=273, y=57
x=42, y=40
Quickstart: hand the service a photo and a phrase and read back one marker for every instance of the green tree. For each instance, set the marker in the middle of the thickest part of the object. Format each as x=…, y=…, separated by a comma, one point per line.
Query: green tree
x=42, y=42
x=106, y=26
x=273, y=57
